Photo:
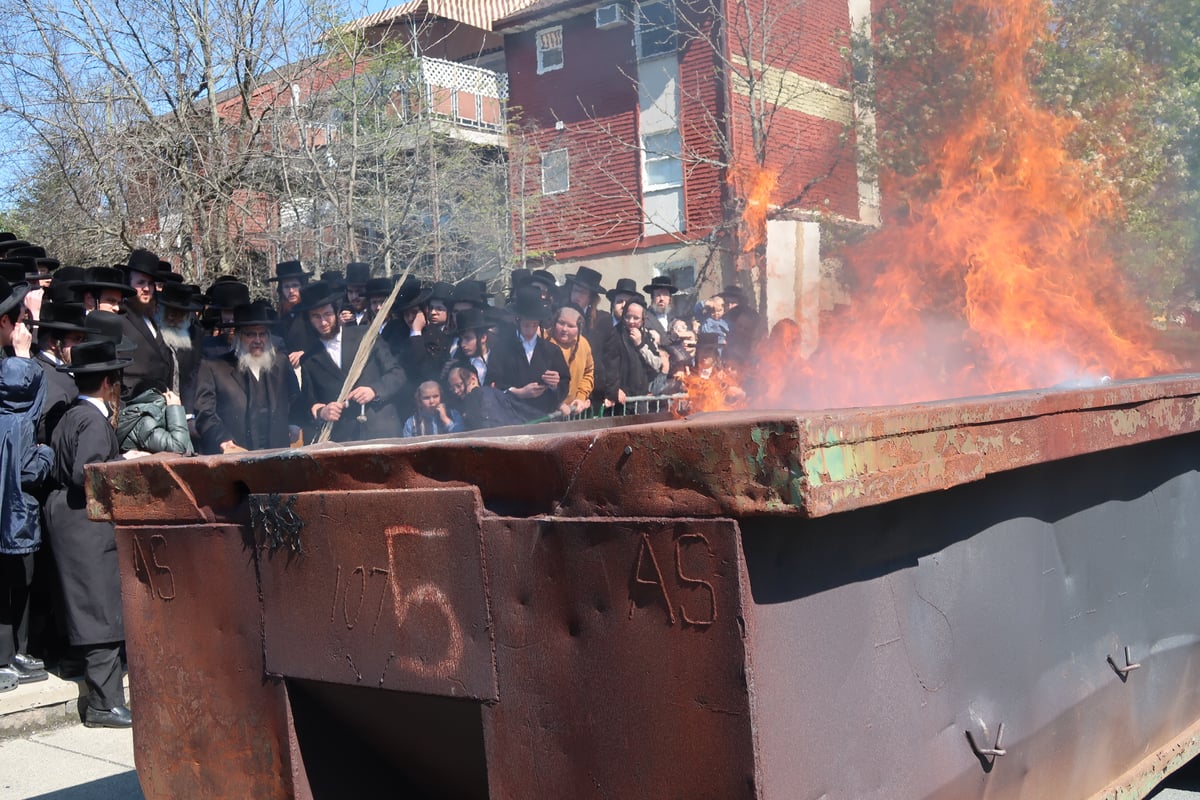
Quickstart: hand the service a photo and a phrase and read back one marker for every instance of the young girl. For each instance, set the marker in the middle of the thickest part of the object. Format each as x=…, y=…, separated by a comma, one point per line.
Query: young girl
x=432, y=416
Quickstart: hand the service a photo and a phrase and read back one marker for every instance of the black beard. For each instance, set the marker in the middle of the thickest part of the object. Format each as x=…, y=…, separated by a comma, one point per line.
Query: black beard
x=141, y=309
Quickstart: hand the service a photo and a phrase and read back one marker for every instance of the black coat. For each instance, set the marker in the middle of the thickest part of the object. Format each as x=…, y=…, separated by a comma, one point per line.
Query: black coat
x=296, y=332
x=153, y=361
x=223, y=403
x=624, y=368
x=85, y=551
x=508, y=368
x=60, y=393
x=321, y=382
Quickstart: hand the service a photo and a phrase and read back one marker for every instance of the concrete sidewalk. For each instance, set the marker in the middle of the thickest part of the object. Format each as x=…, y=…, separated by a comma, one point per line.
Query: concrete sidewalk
x=70, y=763
x=46, y=753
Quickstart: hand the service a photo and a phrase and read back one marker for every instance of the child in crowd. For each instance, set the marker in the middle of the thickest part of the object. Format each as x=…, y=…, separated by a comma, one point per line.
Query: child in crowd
x=432, y=415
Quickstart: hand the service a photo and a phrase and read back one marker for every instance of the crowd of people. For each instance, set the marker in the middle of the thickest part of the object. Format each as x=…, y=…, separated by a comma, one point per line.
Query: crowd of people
x=119, y=361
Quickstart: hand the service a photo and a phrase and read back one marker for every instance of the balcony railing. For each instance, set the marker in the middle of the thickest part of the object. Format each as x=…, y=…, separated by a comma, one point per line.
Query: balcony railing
x=467, y=96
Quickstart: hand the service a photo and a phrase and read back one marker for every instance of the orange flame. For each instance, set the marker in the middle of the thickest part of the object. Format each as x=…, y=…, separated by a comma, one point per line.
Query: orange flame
x=755, y=184
x=996, y=280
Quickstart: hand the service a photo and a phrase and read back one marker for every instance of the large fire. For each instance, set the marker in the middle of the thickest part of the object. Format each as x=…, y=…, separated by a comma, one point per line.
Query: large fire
x=993, y=281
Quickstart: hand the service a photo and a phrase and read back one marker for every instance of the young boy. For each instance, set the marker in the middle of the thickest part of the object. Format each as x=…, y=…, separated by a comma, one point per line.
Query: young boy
x=85, y=550
x=432, y=415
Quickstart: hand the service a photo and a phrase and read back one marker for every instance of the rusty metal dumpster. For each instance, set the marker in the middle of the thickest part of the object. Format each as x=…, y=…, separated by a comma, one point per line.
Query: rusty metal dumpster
x=993, y=597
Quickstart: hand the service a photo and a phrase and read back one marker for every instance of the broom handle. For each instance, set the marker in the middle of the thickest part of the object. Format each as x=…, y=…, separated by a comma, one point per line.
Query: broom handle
x=365, y=347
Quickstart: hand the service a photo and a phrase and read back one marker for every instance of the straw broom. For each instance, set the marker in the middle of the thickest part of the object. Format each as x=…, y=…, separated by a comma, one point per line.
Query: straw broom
x=365, y=347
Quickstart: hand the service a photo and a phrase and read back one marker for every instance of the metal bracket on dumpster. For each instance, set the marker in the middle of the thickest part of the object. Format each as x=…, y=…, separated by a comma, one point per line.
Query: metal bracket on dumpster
x=388, y=592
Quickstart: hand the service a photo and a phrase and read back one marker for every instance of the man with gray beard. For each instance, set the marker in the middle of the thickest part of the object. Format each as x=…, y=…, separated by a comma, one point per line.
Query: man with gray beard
x=176, y=305
x=243, y=399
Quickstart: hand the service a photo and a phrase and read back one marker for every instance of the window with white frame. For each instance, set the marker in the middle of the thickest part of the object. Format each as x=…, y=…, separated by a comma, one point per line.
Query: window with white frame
x=549, y=49
x=556, y=171
x=655, y=27
x=660, y=160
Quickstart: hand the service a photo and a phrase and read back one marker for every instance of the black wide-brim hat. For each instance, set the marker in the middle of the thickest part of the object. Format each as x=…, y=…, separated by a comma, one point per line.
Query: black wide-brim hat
x=252, y=315
x=357, y=272
x=62, y=317
x=101, y=278
x=442, y=291
x=288, y=269
x=96, y=356
x=411, y=295
x=179, y=297
x=105, y=326
x=145, y=262
x=228, y=294
x=11, y=295
x=624, y=286
x=528, y=304
x=471, y=319
x=471, y=291
x=379, y=287
x=659, y=282
x=587, y=278
x=319, y=294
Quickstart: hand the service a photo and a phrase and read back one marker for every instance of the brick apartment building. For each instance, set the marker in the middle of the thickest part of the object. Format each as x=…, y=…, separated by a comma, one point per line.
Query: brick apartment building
x=639, y=122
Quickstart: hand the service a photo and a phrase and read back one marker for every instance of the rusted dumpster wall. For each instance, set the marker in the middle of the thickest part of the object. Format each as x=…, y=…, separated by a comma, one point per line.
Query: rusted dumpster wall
x=781, y=605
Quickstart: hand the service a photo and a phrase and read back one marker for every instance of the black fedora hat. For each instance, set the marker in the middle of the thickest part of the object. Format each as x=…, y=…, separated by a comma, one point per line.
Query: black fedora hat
x=7, y=236
x=544, y=276
x=64, y=317
x=47, y=264
x=28, y=251
x=379, y=287
x=587, y=278
x=95, y=356
x=178, y=296
x=333, y=276
x=624, y=286
x=62, y=294
x=357, y=272
x=108, y=327
x=660, y=282
x=100, y=278
x=143, y=261
x=12, y=244
x=13, y=271
x=735, y=293
x=249, y=315
x=442, y=291
x=518, y=278
x=471, y=291
x=411, y=295
x=68, y=275
x=228, y=294
x=11, y=295
x=528, y=304
x=319, y=294
x=289, y=269
x=471, y=319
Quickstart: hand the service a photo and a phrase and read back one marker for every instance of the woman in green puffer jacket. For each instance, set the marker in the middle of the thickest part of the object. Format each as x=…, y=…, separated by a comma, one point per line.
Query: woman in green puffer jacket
x=154, y=422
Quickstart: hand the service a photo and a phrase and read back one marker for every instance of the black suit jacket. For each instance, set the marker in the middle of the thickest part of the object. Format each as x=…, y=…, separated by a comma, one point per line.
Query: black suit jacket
x=153, y=362
x=321, y=381
x=60, y=394
x=508, y=368
x=223, y=408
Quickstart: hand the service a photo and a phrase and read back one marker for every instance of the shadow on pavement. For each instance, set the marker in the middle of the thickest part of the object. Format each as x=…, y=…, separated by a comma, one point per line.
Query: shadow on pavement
x=115, y=787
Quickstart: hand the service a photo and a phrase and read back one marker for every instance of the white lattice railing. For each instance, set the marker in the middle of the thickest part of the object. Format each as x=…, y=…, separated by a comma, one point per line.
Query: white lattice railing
x=470, y=96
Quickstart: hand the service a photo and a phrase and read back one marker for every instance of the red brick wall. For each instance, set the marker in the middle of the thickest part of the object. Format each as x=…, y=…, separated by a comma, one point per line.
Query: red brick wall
x=702, y=116
x=804, y=37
